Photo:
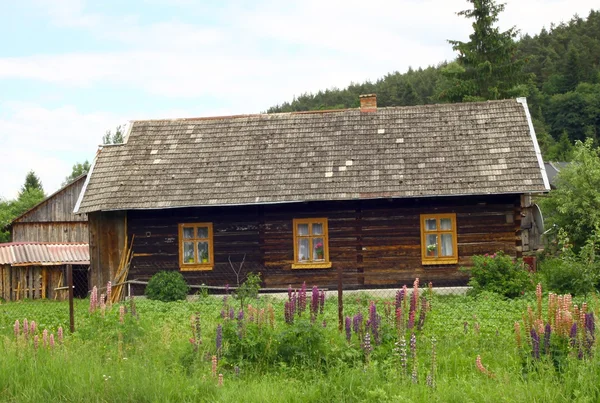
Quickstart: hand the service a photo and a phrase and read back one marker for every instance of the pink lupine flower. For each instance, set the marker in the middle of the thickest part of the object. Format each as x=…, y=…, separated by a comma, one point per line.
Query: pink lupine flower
x=94, y=299
x=52, y=340
x=481, y=368
x=45, y=337
x=108, y=293
x=60, y=335
x=122, y=314
x=17, y=328
x=36, y=341
x=25, y=327
x=214, y=366
x=220, y=380
x=32, y=327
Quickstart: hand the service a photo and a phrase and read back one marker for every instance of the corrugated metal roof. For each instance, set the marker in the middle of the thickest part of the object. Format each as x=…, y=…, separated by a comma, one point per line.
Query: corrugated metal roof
x=44, y=254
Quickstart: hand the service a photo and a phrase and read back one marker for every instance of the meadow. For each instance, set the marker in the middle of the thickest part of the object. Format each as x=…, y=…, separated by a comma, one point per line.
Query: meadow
x=431, y=348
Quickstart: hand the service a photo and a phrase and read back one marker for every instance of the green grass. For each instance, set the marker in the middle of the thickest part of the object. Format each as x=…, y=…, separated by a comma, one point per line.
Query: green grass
x=151, y=358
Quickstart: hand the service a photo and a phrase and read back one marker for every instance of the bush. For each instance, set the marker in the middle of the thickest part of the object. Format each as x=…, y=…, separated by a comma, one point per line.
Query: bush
x=501, y=274
x=167, y=286
x=564, y=276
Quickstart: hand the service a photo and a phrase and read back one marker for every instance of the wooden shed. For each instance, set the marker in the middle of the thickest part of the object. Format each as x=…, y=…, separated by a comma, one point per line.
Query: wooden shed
x=387, y=194
x=45, y=239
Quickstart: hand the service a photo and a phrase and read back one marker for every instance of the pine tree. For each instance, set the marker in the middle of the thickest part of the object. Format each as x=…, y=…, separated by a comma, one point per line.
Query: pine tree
x=32, y=182
x=487, y=66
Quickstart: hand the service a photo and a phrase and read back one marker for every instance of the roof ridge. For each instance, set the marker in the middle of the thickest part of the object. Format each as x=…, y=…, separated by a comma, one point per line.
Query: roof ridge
x=316, y=111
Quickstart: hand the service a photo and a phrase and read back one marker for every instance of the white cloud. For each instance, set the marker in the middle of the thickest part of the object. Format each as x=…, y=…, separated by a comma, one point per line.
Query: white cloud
x=251, y=56
x=48, y=141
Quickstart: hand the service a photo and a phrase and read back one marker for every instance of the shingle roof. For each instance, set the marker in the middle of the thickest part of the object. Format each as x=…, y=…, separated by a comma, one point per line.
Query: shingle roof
x=43, y=253
x=418, y=151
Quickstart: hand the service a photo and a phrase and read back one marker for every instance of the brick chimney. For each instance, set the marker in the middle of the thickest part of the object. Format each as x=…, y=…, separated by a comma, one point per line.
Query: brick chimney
x=368, y=103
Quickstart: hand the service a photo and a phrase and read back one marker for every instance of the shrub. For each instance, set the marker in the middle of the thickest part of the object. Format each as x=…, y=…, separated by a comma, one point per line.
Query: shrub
x=565, y=276
x=167, y=286
x=501, y=274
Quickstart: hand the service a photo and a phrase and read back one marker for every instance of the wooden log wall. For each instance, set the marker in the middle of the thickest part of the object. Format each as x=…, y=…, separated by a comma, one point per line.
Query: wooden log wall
x=31, y=282
x=377, y=243
x=76, y=231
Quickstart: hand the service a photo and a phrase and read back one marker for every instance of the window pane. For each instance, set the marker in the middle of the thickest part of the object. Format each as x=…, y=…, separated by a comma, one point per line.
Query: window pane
x=318, y=249
x=303, y=229
x=188, y=252
x=430, y=224
x=203, y=252
x=317, y=229
x=447, y=245
x=203, y=232
x=446, y=224
x=303, y=252
x=188, y=232
x=432, y=245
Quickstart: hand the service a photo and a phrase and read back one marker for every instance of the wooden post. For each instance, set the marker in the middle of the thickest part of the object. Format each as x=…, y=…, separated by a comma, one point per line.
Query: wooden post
x=70, y=285
x=340, y=298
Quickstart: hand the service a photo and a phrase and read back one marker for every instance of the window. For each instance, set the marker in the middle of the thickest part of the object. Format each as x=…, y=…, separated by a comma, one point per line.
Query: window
x=196, y=246
x=311, y=245
x=438, y=239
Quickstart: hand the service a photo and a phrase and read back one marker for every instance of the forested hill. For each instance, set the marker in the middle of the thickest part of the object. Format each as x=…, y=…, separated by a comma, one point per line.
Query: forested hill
x=563, y=88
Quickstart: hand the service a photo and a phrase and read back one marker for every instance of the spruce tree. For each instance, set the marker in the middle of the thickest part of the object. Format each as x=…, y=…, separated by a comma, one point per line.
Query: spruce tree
x=487, y=67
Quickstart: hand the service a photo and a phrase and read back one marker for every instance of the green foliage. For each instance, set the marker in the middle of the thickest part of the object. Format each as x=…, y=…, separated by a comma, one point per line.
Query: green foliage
x=167, y=286
x=113, y=138
x=570, y=272
x=302, y=342
x=249, y=288
x=487, y=67
x=501, y=274
x=575, y=203
x=29, y=196
x=78, y=170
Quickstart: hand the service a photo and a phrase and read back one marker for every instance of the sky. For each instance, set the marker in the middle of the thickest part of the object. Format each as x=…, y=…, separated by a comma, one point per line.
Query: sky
x=72, y=69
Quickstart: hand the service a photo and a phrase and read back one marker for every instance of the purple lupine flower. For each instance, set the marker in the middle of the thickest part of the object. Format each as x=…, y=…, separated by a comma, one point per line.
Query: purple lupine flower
x=547, y=333
x=590, y=325
x=226, y=289
x=403, y=356
x=348, y=328
x=25, y=327
x=288, y=312
x=17, y=328
x=60, y=334
x=357, y=322
x=222, y=314
x=535, y=344
x=399, y=298
x=225, y=299
x=314, y=301
x=573, y=334
x=321, y=301
x=231, y=313
x=302, y=299
x=289, y=292
x=411, y=319
x=374, y=322
x=219, y=338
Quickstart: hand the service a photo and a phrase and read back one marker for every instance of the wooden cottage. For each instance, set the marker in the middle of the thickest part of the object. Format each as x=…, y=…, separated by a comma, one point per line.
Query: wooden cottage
x=387, y=194
x=45, y=239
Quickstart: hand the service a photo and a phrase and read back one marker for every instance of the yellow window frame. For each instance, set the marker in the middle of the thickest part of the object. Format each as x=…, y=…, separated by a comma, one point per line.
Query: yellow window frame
x=434, y=260
x=311, y=262
x=197, y=264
